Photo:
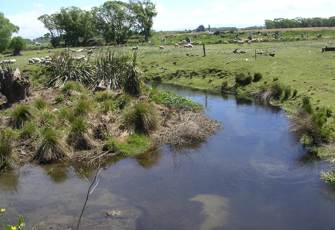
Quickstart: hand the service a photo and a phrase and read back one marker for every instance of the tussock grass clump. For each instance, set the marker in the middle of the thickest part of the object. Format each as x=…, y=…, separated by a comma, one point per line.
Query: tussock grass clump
x=6, y=148
x=83, y=107
x=40, y=103
x=77, y=136
x=29, y=130
x=131, y=82
x=243, y=79
x=133, y=146
x=140, y=117
x=257, y=77
x=50, y=149
x=105, y=95
x=108, y=106
x=71, y=86
x=47, y=119
x=19, y=115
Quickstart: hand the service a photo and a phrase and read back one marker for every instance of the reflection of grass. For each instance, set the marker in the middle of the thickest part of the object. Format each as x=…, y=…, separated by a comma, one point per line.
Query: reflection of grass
x=133, y=146
x=328, y=177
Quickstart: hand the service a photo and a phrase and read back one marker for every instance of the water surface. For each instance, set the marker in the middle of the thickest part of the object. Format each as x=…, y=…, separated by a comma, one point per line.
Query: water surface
x=250, y=175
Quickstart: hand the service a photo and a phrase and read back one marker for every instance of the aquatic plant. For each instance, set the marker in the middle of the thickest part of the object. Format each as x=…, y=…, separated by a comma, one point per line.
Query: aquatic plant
x=50, y=149
x=19, y=115
x=140, y=117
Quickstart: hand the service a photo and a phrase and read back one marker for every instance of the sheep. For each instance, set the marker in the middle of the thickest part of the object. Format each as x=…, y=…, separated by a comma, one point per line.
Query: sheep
x=161, y=47
x=135, y=48
x=177, y=45
x=80, y=57
x=31, y=61
x=37, y=60
x=12, y=61
x=189, y=45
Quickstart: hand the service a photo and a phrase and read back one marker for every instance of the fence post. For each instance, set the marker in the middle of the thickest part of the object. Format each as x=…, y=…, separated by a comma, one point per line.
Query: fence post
x=204, y=49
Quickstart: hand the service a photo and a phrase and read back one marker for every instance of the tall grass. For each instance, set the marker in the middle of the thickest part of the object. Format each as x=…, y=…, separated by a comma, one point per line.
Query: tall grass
x=141, y=117
x=19, y=115
x=50, y=149
x=6, y=148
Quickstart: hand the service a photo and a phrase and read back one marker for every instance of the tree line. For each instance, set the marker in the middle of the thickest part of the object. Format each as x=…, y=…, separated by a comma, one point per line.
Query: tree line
x=299, y=22
x=114, y=22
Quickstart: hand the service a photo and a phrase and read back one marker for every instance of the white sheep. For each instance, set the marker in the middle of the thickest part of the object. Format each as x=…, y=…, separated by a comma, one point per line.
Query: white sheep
x=161, y=47
x=188, y=45
x=135, y=48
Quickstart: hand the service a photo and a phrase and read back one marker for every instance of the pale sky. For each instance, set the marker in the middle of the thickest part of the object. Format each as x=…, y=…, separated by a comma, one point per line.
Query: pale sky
x=177, y=14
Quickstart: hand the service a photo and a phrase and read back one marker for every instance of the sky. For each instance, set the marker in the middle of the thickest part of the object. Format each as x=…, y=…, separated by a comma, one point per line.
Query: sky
x=176, y=14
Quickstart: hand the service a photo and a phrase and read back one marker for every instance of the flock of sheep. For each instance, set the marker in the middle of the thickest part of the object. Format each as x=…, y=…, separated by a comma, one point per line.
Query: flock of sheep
x=43, y=60
x=11, y=61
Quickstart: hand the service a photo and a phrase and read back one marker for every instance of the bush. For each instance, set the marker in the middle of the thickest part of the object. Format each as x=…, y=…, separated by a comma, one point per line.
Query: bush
x=141, y=117
x=242, y=79
x=19, y=115
x=257, y=77
x=17, y=44
x=50, y=149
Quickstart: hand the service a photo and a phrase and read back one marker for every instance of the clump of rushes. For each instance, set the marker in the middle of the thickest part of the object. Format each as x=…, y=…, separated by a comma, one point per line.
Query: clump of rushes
x=77, y=136
x=83, y=106
x=140, y=117
x=102, y=96
x=40, y=103
x=47, y=119
x=243, y=79
x=20, y=115
x=133, y=146
x=6, y=149
x=71, y=86
x=108, y=106
x=257, y=77
x=50, y=149
x=328, y=177
x=29, y=130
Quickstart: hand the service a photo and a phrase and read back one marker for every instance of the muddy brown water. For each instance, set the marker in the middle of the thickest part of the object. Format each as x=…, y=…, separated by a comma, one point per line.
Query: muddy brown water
x=252, y=174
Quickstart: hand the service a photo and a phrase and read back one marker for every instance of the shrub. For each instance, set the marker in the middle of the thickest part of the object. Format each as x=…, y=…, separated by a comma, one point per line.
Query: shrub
x=17, y=44
x=64, y=68
x=50, y=149
x=141, y=117
x=19, y=115
x=40, y=103
x=242, y=79
x=6, y=149
x=257, y=77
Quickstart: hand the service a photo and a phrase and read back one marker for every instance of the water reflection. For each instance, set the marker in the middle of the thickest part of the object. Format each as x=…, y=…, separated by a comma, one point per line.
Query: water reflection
x=9, y=180
x=149, y=159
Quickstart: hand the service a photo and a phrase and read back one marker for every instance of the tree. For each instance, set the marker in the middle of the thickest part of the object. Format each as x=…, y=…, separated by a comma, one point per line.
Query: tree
x=144, y=12
x=114, y=20
x=201, y=28
x=6, y=31
x=17, y=44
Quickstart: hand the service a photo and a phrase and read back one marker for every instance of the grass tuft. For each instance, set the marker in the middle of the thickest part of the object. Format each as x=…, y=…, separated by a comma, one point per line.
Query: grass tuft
x=19, y=115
